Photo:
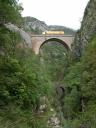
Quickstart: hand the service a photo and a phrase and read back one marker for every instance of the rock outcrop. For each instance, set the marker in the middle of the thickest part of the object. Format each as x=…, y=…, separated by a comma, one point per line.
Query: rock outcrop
x=54, y=121
x=87, y=30
x=34, y=25
x=25, y=36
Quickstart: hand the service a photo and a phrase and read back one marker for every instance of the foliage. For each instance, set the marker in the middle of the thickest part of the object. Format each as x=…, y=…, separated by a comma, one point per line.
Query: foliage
x=22, y=78
x=54, y=58
x=82, y=102
x=10, y=11
x=25, y=78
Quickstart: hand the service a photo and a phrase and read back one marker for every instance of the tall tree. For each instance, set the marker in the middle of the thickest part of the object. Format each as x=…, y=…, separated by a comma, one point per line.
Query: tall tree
x=10, y=11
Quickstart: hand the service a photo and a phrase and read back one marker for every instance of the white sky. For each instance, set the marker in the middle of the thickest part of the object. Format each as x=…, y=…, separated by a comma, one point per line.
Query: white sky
x=67, y=13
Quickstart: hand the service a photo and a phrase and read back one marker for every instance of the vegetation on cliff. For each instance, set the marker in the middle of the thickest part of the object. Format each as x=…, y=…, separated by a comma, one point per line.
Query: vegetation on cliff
x=25, y=79
x=22, y=80
x=77, y=106
x=79, y=103
x=87, y=30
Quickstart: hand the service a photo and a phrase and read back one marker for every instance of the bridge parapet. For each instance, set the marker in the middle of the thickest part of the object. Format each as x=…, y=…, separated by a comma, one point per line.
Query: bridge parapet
x=52, y=35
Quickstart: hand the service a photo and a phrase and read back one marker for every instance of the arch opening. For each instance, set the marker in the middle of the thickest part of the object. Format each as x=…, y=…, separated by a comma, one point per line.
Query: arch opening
x=53, y=57
x=56, y=40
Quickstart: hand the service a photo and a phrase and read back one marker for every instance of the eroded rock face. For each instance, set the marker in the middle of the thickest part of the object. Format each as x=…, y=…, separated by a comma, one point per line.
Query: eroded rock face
x=32, y=23
x=25, y=36
x=87, y=30
x=54, y=122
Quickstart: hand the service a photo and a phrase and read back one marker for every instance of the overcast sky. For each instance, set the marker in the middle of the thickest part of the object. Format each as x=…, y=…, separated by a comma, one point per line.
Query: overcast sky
x=67, y=13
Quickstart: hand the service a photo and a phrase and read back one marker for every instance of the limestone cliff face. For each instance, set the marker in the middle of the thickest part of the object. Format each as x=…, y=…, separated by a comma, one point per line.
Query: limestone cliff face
x=87, y=30
x=25, y=36
x=34, y=25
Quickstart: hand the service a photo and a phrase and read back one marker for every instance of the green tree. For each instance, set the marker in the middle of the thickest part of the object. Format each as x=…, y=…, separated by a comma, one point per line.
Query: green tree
x=10, y=11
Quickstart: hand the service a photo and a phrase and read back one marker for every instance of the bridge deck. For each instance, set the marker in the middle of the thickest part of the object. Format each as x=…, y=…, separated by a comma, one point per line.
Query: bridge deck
x=52, y=35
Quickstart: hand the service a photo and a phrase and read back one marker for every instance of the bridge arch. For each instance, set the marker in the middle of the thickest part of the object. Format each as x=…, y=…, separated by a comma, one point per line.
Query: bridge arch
x=58, y=41
x=39, y=40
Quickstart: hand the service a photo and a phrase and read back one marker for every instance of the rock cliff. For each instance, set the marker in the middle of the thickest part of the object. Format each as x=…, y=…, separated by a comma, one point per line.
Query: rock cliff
x=34, y=25
x=87, y=30
x=25, y=36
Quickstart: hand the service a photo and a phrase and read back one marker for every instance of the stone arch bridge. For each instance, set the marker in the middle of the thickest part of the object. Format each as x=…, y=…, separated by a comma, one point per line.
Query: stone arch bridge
x=39, y=40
